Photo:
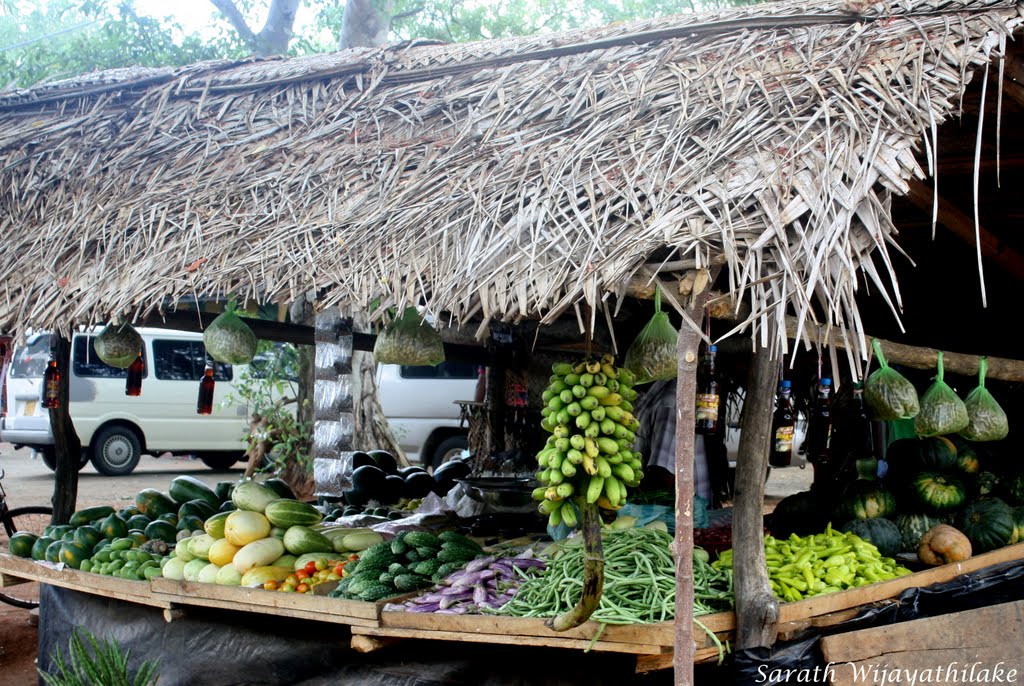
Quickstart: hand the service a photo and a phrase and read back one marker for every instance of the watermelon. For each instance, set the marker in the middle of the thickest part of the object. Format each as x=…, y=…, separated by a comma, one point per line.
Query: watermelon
x=21, y=544
x=153, y=503
x=185, y=488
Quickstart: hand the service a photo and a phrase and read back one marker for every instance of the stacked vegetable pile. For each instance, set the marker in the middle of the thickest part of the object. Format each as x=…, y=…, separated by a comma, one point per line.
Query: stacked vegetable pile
x=799, y=568
x=410, y=561
x=930, y=481
x=132, y=540
x=267, y=541
x=485, y=583
x=378, y=482
x=639, y=581
x=589, y=454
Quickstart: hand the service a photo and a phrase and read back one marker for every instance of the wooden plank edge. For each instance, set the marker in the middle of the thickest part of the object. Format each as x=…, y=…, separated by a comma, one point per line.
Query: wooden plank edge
x=297, y=613
x=644, y=634
x=253, y=597
x=536, y=641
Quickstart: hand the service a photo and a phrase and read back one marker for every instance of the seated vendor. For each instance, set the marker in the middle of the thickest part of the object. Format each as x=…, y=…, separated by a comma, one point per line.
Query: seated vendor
x=656, y=441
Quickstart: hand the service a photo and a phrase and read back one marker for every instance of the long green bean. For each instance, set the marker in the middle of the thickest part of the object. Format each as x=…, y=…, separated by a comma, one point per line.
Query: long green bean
x=639, y=582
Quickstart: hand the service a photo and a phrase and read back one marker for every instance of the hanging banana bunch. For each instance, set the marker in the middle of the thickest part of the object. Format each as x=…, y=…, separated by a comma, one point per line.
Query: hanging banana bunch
x=589, y=454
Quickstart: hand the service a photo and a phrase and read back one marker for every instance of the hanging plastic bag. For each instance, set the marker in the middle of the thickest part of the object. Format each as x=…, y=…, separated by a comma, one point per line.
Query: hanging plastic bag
x=942, y=410
x=987, y=421
x=230, y=340
x=409, y=340
x=652, y=355
x=888, y=393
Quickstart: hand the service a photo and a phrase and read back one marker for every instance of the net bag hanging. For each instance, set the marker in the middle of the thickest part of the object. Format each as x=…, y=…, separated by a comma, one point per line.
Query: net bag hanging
x=888, y=393
x=652, y=355
x=986, y=419
x=942, y=410
x=410, y=341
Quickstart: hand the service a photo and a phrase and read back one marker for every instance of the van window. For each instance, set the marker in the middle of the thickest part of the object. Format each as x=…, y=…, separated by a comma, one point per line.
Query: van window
x=184, y=361
x=445, y=370
x=86, y=362
x=30, y=359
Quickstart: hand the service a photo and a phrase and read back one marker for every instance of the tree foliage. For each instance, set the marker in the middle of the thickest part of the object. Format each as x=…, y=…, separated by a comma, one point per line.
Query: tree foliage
x=64, y=38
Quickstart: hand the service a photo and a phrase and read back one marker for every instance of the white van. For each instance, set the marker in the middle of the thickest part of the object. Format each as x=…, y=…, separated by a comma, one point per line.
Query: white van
x=422, y=408
x=116, y=429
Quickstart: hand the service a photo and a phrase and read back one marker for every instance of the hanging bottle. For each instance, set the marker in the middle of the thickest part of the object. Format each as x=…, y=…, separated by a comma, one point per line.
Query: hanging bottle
x=51, y=385
x=133, y=383
x=862, y=436
x=783, y=425
x=205, y=402
x=819, y=424
x=707, y=394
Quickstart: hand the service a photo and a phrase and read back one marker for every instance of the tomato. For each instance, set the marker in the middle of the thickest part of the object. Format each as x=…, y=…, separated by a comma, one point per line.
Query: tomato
x=302, y=588
x=301, y=575
x=310, y=568
x=270, y=585
x=288, y=588
x=339, y=568
x=319, y=564
x=291, y=580
x=352, y=557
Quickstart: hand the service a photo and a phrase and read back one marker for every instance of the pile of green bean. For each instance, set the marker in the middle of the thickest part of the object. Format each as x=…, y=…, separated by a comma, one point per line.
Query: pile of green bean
x=639, y=581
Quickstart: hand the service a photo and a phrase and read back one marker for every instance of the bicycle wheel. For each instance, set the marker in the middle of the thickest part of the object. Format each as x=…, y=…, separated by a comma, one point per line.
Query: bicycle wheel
x=32, y=519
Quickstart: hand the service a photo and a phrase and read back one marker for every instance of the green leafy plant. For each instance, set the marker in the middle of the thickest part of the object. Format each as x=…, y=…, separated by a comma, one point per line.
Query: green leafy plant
x=101, y=663
x=269, y=386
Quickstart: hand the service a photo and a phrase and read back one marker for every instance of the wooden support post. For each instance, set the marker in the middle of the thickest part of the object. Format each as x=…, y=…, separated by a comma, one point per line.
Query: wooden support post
x=757, y=610
x=67, y=446
x=686, y=419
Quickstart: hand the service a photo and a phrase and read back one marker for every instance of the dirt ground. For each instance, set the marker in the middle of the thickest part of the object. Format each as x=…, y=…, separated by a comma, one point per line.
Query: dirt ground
x=18, y=640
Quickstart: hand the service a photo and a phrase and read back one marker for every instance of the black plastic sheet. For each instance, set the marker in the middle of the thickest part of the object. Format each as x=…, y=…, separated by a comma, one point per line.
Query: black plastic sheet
x=801, y=661
x=209, y=647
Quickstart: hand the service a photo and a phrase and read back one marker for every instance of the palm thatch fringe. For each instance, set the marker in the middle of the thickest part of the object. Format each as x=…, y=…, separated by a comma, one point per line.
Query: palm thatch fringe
x=497, y=180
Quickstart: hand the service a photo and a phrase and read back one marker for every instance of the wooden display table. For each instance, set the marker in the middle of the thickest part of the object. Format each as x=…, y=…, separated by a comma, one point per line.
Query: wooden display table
x=371, y=627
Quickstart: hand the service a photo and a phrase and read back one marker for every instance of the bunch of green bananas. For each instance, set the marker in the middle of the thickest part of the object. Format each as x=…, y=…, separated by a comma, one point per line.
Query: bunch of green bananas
x=589, y=454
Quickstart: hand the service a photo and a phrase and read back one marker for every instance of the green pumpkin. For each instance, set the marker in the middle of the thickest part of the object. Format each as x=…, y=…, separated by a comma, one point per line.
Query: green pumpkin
x=1018, y=521
x=880, y=532
x=988, y=524
x=1014, y=488
x=934, y=454
x=938, y=492
x=799, y=513
x=912, y=527
x=865, y=500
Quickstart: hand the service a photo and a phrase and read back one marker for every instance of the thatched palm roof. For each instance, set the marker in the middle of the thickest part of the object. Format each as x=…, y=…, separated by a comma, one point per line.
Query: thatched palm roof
x=504, y=179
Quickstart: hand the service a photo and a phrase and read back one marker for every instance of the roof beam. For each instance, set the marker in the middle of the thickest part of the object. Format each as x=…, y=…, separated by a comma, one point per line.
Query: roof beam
x=962, y=226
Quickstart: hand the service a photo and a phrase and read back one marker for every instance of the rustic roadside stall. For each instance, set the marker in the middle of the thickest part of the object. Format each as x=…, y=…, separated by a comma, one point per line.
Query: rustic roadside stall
x=523, y=178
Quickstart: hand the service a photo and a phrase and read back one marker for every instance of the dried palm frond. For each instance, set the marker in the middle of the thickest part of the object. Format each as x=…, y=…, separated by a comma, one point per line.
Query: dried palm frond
x=502, y=180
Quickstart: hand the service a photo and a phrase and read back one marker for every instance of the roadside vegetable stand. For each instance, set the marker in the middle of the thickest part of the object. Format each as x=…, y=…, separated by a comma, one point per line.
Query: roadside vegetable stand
x=553, y=178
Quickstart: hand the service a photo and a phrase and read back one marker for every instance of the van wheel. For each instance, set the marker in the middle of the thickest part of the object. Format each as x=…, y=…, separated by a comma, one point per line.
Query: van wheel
x=449, y=449
x=49, y=457
x=116, y=451
x=220, y=462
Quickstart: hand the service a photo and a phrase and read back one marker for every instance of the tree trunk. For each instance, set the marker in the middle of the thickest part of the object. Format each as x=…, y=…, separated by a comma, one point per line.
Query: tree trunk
x=365, y=24
x=371, y=430
x=299, y=475
x=276, y=34
x=757, y=610
x=67, y=445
